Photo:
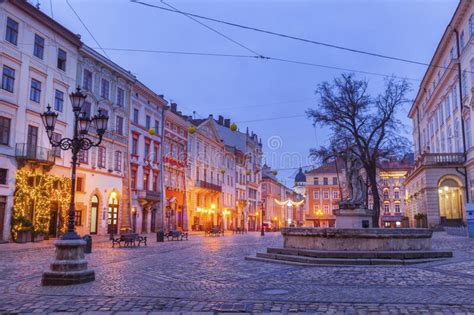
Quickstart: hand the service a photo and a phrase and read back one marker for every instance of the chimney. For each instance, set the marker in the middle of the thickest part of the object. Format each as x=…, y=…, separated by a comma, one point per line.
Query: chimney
x=221, y=120
x=174, y=107
x=227, y=123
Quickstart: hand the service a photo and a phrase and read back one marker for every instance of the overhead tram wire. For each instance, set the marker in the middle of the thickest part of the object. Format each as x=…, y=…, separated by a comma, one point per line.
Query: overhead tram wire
x=87, y=29
x=214, y=30
x=368, y=53
x=304, y=63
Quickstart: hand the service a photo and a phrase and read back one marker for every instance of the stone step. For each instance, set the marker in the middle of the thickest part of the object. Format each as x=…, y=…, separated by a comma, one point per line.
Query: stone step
x=294, y=259
x=422, y=254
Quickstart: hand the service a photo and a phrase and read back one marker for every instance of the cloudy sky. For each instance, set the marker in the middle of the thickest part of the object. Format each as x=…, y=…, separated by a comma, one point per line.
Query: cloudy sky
x=250, y=91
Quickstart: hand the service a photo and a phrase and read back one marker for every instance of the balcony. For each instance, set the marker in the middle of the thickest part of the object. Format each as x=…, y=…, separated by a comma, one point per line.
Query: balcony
x=209, y=186
x=148, y=196
x=31, y=153
x=437, y=159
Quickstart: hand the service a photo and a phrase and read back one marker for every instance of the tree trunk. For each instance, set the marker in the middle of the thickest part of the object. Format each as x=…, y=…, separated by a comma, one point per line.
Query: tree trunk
x=372, y=174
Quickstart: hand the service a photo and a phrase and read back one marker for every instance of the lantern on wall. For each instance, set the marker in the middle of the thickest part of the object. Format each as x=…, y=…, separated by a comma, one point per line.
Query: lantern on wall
x=191, y=130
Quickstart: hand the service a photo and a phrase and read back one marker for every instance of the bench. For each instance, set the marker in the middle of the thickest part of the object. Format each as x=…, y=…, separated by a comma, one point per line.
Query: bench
x=214, y=232
x=129, y=240
x=239, y=231
x=176, y=235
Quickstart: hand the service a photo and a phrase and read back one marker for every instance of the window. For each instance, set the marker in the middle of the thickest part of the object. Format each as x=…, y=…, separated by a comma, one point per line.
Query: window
x=335, y=195
x=135, y=115
x=56, y=150
x=385, y=181
x=326, y=208
x=135, y=146
x=471, y=25
x=325, y=194
x=397, y=208
x=325, y=181
x=397, y=194
x=101, y=155
x=147, y=151
x=118, y=161
x=8, y=79
x=38, y=49
x=468, y=132
x=157, y=127
x=133, y=178
x=11, y=34
x=148, y=122
x=84, y=157
x=104, y=88
x=461, y=40
x=156, y=154
x=464, y=83
x=78, y=218
x=316, y=194
x=385, y=194
x=119, y=125
x=145, y=180
x=80, y=183
x=58, y=100
x=316, y=181
x=386, y=208
x=3, y=176
x=62, y=57
x=35, y=92
x=87, y=108
x=87, y=80
x=120, y=97
x=334, y=180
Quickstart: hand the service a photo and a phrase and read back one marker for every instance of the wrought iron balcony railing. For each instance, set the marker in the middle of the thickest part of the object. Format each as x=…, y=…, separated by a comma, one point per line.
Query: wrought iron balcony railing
x=26, y=151
x=207, y=185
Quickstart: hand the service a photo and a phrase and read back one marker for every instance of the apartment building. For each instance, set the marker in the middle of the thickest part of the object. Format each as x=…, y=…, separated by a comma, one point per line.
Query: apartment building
x=440, y=185
x=146, y=130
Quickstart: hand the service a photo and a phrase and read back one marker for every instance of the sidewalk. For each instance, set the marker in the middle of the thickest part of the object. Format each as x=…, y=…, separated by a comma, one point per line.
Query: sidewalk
x=96, y=239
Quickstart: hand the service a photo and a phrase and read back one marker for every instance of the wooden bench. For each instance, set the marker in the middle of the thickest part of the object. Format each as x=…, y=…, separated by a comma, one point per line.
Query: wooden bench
x=175, y=235
x=214, y=232
x=239, y=231
x=129, y=240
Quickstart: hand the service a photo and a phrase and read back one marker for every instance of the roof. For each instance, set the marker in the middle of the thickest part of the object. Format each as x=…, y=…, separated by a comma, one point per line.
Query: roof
x=231, y=138
x=300, y=176
x=326, y=168
x=47, y=21
x=112, y=65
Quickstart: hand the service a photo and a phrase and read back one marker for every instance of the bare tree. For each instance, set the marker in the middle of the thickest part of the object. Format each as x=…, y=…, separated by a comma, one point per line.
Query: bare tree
x=358, y=120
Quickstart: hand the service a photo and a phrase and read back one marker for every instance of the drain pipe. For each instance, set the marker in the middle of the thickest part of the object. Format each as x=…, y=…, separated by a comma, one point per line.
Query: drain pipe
x=458, y=50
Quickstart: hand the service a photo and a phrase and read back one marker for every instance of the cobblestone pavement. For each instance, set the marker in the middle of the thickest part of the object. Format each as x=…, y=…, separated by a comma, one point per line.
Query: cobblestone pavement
x=210, y=275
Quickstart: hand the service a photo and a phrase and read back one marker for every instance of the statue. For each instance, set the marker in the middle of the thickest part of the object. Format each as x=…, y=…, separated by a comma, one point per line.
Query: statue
x=354, y=182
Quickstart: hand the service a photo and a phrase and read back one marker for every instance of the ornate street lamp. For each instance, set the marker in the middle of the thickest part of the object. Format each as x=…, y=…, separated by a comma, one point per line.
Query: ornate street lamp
x=70, y=267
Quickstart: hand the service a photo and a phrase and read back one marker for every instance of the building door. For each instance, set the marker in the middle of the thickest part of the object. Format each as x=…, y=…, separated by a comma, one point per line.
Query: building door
x=144, y=220
x=32, y=141
x=450, y=202
x=134, y=220
x=94, y=214
x=3, y=207
x=112, y=217
x=53, y=219
x=153, y=220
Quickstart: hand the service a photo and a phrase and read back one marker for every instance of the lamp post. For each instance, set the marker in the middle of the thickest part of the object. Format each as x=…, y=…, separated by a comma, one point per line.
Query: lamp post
x=70, y=266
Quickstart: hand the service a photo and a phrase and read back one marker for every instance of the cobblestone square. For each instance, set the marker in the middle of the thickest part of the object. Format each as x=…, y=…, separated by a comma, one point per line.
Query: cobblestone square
x=210, y=275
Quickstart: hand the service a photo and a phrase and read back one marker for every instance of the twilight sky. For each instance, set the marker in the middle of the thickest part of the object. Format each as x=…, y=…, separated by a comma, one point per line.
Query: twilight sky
x=251, y=91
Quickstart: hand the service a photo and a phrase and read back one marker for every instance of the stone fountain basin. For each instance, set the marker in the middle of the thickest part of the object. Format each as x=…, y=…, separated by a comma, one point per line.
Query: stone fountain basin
x=357, y=239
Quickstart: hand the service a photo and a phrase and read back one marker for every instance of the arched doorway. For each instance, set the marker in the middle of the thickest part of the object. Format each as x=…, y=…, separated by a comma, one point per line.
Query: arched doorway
x=112, y=218
x=94, y=214
x=450, y=201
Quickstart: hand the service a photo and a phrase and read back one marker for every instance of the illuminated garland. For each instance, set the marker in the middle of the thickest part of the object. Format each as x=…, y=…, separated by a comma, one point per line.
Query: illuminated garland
x=32, y=201
x=289, y=202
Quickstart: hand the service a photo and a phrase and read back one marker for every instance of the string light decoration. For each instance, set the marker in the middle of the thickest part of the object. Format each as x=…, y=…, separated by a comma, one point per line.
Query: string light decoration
x=289, y=202
x=32, y=200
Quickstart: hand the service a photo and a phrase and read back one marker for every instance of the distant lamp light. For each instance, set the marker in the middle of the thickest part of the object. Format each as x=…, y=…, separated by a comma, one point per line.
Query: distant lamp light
x=213, y=206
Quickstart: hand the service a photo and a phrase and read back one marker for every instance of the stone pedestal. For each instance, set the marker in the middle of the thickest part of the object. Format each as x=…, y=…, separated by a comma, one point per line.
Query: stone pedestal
x=70, y=267
x=353, y=218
